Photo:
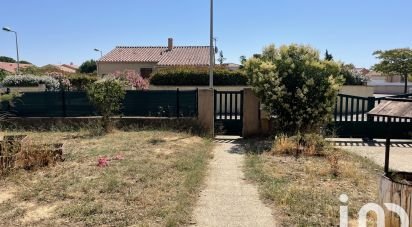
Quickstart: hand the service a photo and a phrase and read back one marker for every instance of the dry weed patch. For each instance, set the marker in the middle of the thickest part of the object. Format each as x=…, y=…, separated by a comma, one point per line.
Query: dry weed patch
x=138, y=186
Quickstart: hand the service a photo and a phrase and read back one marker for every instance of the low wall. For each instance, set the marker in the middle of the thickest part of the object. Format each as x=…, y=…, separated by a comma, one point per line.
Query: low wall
x=127, y=123
x=219, y=88
x=391, y=89
x=362, y=91
x=39, y=88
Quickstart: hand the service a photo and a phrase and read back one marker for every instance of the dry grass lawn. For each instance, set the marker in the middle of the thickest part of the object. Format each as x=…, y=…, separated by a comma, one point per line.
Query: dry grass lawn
x=305, y=192
x=156, y=184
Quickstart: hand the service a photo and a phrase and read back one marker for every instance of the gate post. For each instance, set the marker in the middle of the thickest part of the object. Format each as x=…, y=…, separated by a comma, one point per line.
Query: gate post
x=206, y=110
x=251, y=114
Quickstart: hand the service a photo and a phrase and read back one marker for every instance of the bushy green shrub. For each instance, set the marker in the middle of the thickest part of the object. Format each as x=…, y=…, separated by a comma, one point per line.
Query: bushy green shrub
x=107, y=96
x=188, y=76
x=3, y=74
x=297, y=88
x=31, y=81
x=352, y=77
x=81, y=81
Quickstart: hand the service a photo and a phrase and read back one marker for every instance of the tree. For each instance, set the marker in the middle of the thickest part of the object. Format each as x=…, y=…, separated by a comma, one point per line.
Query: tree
x=107, y=96
x=221, y=58
x=243, y=59
x=88, y=67
x=25, y=62
x=328, y=56
x=7, y=59
x=296, y=87
x=395, y=61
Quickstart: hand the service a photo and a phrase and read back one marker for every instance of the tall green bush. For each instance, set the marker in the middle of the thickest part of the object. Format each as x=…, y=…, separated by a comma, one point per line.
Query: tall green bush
x=107, y=96
x=297, y=88
x=81, y=81
x=187, y=76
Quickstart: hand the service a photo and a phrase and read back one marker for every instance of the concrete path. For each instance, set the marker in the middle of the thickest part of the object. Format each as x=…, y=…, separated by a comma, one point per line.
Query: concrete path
x=228, y=200
x=400, y=155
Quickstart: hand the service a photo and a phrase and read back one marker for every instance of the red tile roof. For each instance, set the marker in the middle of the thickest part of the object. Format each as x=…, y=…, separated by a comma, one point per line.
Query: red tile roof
x=179, y=55
x=11, y=67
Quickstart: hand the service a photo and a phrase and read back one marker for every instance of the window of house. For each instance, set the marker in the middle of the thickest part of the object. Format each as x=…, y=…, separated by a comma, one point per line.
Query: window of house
x=145, y=72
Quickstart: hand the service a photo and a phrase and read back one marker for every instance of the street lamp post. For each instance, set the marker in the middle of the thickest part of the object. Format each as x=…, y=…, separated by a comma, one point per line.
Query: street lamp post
x=101, y=52
x=101, y=55
x=17, y=48
x=211, y=64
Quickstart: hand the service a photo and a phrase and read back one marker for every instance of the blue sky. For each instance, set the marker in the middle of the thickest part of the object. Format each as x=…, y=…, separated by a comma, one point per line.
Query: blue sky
x=63, y=31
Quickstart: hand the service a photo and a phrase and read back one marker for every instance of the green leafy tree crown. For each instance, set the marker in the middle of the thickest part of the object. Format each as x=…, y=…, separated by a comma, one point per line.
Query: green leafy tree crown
x=297, y=88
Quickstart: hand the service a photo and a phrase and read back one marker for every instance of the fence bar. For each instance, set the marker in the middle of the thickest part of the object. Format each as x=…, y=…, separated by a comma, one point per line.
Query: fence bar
x=220, y=105
x=357, y=110
x=226, y=102
x=230, y=97
x=341, y=108
x=347, y=108
x=351, y=108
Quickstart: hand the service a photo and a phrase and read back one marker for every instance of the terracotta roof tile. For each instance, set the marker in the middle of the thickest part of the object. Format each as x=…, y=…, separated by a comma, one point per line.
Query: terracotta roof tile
x=180, y=55
x=11, y=67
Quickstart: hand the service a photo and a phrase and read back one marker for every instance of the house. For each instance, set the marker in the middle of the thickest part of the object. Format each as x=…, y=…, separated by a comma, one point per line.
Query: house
x=64, y=68
x=146, y=59
x=12, y=67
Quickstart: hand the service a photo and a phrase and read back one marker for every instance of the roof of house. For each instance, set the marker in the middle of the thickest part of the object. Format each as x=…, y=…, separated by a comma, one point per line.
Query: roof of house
x=11, y=67
x=62, y=68
x=179, y=55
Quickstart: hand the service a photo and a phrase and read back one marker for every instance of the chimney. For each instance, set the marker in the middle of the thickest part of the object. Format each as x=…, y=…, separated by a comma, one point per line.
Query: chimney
x=170, y=44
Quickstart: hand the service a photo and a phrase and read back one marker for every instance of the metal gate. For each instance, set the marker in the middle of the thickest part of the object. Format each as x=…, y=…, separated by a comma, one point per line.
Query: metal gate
x=228, y=112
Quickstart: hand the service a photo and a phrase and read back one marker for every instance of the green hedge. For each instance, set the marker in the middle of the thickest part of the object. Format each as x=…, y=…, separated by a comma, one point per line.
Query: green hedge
x=197, y=77
x=81, y=81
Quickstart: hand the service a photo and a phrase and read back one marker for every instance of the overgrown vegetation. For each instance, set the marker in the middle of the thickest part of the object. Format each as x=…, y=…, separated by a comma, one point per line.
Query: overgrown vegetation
x=297, y=88
x=89, y=66
x=187, y=76
x=51, y=83
x=107, y=96
x=81, y=82
x=304, y=190
x=152, y=179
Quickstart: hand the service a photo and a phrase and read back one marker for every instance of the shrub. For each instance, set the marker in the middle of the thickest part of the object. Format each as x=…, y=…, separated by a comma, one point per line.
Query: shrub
x=81, y=81
x=187, y=76
x=307, y=144
x=3, y=74
x=31, y=81
x=89, y=66
x=107, y=96
x=351, y=77
x=131, y=78
x=297, y=88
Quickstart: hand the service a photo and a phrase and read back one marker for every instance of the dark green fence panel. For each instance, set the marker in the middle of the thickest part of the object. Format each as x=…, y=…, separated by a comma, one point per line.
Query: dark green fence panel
x=351, y=119
x=150, y=103
x=76, y=104
x=38, y=104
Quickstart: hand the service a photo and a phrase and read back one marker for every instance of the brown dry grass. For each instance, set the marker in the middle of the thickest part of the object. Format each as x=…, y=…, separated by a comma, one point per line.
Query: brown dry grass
x=156, y=184
x=305, y=191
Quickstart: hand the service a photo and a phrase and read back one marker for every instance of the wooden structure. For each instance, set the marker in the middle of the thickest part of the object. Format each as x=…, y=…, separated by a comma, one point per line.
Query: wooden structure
x=395, y=187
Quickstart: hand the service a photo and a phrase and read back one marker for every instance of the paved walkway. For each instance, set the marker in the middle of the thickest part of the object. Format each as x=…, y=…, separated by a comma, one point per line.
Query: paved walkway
x=400, y=155
x=228, y=200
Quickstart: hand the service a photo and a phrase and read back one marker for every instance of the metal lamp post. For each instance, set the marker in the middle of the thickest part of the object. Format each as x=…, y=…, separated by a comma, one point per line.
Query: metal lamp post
x=211, y=64
x=101, y=52
x=17, y=48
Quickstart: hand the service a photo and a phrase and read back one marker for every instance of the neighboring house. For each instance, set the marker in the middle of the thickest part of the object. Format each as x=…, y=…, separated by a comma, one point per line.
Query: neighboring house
x=12, y=67
x=377, y=77
x=145, y=60
x=362, y=71
x=231, y=66
x=64, y=68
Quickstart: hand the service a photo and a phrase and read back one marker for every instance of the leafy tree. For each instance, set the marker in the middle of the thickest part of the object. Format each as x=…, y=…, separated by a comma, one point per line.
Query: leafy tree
x=3, y=74
x=328, y=56
x=243, y=59
x=25, y=62
x=297, y=88
x=7, y=59
x=221, y=58
x=350, y=76
x=107, y=96
x=395, y=61
x=88, y=67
